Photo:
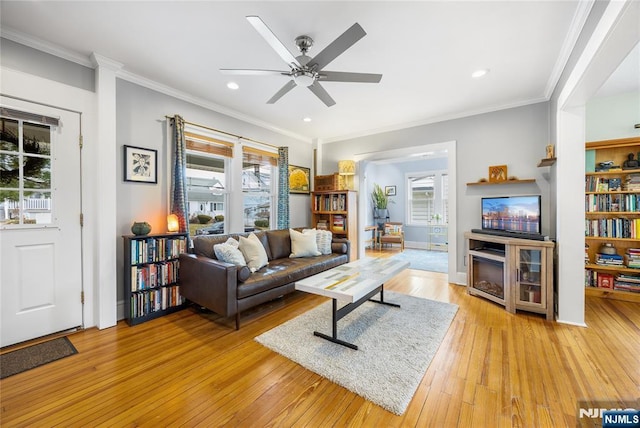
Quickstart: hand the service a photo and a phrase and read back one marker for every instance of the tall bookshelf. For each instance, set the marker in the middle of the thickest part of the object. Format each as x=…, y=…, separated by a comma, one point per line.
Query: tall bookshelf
x=612, y=217
x=151, y=271
x=338, y=210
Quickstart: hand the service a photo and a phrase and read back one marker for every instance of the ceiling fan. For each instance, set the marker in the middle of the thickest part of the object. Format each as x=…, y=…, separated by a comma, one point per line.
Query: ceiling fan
x=307, y=71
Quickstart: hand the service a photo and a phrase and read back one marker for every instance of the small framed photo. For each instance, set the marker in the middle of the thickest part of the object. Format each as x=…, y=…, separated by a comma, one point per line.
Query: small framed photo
x=497, y=173
x=299, y=179
x=140, y=165
x=390, y=190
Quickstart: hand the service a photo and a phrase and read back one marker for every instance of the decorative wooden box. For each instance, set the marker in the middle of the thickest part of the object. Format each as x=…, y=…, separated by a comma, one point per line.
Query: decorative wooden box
x=326, y=182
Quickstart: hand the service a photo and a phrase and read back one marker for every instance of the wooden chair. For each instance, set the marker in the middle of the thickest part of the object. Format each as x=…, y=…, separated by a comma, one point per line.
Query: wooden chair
x=392, y=233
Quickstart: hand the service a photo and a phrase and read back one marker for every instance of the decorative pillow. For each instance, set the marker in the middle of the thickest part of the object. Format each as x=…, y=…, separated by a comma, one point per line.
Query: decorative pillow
x=253, y=252
x=228, y=252
x=303, y=244
x=323, y=240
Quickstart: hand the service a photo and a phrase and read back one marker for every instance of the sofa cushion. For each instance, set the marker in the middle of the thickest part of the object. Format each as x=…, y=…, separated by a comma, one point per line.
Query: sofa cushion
x=228, y=252
x=279, y=243
x=254, y=252
x=287, y=270
x=303, y=244
x=323, y=240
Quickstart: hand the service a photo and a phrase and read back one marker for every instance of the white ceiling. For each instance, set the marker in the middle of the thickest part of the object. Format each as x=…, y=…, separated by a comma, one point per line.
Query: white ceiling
x=426, y=51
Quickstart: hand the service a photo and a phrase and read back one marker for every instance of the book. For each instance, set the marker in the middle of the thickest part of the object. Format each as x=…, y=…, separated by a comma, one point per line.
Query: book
x=605, y=280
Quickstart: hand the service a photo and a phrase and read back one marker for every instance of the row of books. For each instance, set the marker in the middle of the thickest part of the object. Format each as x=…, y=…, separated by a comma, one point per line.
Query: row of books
x=613, y=227
x=631, y=183
x=151, y=250
x=339, y=223
x=144, y=277
x=147, y=302
x=609, y=260
x=602, y=184
x=612, y=202
x=330, y=202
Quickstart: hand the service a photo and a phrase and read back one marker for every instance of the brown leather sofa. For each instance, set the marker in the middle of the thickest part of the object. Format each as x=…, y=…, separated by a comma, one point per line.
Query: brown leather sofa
x=227, y=290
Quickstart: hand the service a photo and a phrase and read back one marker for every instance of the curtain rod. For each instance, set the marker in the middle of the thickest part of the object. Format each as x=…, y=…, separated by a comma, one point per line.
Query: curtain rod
x=226, y=133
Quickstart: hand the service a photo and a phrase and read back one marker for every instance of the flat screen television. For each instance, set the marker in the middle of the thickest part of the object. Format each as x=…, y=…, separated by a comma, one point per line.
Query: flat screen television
x=518, y=214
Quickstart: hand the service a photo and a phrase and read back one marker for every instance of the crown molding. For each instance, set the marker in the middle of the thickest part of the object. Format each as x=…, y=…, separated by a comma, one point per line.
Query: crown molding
x=47, y=47
x=428, y=121
x=172, y=92
x=577, y=24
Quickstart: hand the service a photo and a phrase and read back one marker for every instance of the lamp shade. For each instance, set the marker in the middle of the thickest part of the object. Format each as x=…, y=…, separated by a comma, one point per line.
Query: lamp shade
x=172, y=223
x=346, y=167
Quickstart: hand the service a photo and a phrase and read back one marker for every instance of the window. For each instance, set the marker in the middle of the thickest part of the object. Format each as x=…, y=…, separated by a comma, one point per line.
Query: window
x=206, y=175
x=427, y=198
x=258, y=187
x=25, y=172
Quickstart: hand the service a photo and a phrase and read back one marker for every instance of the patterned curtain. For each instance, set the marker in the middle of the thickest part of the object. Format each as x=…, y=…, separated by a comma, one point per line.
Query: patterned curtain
x=283, y=188
x=179, y=173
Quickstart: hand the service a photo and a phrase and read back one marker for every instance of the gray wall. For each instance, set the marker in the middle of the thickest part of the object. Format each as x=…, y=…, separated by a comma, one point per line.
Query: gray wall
x=33, y=61
x=613, y=117
x=141, y=122
x=514, y=137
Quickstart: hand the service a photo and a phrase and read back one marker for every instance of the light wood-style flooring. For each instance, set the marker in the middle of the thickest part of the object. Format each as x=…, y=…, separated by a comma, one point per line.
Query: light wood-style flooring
x=193, y=369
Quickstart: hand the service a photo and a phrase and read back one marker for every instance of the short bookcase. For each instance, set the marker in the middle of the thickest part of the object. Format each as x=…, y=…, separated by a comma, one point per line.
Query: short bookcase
x=151, y=271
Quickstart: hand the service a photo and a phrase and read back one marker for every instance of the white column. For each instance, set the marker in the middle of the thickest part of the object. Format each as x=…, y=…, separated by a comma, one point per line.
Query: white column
x=106, y=236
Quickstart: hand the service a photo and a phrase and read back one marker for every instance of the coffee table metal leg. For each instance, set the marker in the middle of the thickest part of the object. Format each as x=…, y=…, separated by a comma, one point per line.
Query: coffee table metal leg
x=338, y=314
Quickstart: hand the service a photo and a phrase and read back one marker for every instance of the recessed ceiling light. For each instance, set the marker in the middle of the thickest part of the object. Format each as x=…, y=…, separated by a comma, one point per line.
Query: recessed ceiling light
x=479, y=73
x=233, y=85
x=307, y=119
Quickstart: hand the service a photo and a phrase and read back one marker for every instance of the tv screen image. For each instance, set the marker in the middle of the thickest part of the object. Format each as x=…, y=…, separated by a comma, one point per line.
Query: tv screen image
x=519, y=214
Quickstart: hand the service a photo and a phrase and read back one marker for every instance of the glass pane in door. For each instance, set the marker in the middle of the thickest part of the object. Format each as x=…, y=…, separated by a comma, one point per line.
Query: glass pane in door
x=530, y=275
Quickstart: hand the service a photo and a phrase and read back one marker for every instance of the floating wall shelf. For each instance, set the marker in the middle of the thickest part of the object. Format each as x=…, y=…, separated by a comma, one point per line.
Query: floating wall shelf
x=488, y=183
x=547, y=162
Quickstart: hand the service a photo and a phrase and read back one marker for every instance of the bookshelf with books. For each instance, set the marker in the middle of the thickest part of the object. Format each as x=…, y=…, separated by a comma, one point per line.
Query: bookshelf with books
x=336, y=211
x=612, y=219
x=151, y=272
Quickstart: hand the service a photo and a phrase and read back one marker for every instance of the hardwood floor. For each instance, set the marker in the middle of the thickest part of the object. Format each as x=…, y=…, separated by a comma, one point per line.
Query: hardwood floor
x=193, y=369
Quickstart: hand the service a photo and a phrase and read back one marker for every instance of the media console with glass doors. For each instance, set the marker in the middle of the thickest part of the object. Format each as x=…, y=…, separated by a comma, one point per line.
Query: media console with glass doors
x=516, y=273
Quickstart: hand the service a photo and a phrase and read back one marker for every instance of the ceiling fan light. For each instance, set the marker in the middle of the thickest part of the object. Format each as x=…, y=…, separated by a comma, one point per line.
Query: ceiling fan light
x=304, y=78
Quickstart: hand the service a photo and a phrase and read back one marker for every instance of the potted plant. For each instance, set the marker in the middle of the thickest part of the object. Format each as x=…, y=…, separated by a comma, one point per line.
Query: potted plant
x=380, y=201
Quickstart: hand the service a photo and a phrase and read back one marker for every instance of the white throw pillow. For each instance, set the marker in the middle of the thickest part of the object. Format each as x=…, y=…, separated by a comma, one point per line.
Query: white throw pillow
x=303, y=244
x=229, y=253
x=253, y=252
x=323, y=240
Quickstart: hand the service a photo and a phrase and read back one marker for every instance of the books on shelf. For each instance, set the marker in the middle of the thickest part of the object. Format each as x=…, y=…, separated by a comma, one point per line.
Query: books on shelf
x=150, y=301
x=338, y=223
x=612, y=202
x=613, y=227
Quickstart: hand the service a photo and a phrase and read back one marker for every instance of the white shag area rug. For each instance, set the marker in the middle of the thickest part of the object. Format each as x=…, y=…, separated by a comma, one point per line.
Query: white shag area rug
x=396, y=346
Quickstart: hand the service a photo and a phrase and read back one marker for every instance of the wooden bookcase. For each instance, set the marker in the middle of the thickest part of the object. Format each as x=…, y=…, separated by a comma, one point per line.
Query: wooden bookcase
x=513, y=272
x=612, y=216
x=151, y=270
x=338, y=209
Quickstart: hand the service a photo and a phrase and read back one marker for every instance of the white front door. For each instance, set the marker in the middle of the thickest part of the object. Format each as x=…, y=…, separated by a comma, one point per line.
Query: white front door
x=40, y=232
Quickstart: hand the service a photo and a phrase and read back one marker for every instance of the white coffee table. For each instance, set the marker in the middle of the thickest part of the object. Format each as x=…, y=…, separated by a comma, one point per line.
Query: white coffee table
x=353, y=283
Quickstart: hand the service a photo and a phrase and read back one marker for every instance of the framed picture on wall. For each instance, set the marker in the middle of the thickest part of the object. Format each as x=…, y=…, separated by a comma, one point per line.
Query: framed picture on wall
x=140, y=165
x=390, y=190
x=299, y=179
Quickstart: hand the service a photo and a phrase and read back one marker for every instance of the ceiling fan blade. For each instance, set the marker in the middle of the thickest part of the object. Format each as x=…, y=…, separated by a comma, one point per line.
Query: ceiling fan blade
x=253, y=72
x=339, y=76
x=286, y=88
x=338, y=46
x=321, y=93
x=273, y=41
